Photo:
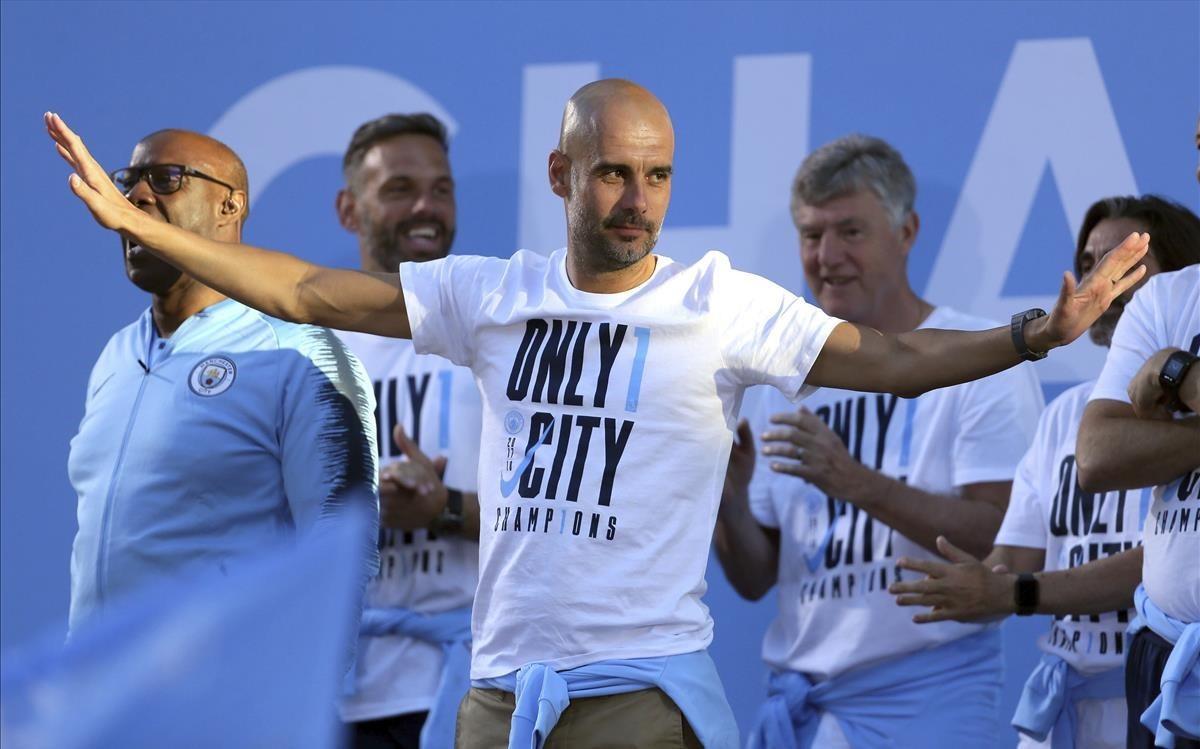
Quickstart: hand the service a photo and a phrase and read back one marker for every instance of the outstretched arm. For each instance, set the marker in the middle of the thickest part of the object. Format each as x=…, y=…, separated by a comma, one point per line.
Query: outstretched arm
x=276, y=283
x=856, y=357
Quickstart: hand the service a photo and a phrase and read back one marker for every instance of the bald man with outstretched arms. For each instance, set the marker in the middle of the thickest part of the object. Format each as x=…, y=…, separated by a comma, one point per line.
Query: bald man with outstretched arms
x=611, y=380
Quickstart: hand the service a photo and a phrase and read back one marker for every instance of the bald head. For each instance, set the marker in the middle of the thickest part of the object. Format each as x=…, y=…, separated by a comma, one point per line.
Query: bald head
x=612, y=168
x=201, y=152
x=608, y=105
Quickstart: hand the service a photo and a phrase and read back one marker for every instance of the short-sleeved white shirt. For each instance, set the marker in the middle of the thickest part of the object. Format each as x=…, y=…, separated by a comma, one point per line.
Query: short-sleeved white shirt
x=1164, y=313
x=1048, y=510
x=607, y=424
x=835, y=561
x=437, y=404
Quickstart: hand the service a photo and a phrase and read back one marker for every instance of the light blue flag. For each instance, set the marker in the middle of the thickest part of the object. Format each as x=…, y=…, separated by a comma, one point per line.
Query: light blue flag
x=249, y=660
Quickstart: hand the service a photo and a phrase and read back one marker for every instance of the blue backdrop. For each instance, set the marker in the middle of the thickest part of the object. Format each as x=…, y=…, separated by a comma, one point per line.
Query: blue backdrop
x=1015, y=117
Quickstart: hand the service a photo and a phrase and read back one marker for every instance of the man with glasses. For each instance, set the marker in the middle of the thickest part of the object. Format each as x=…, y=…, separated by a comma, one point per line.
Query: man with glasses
x=210, y=430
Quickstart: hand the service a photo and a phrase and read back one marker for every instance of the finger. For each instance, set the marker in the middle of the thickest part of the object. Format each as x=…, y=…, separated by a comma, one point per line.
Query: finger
x=790, y=435
x=1000, y=569
x=928, y=586
x=439, y=465
x=810, y=420
x=952, y=552
x=1066, y=290
x=410, y=481
x=937, y=615
x=91, y=197
x=795, y=419
x=85, y=165
x=1129, y=279
x=931, y=567
x=409, y=448
x=783, y=450
x=65, y=154
x=792, y=469
x=928, y=601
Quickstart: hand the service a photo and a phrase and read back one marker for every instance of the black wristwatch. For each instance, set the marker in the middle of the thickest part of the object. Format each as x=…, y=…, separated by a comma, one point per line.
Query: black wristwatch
x=1175, y=368
x=1025, y=594
x=451, y=519
x=1018, y=333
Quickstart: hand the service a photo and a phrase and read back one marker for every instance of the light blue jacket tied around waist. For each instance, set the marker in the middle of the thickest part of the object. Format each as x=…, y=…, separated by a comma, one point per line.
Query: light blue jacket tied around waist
x=1051, y=691
x=874, y=706
x=690, y=680
x=449, y=630
x=1176, y=710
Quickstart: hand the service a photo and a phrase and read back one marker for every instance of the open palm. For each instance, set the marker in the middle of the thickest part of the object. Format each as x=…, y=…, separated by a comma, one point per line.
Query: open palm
x=1080, y=305
x=90, y=182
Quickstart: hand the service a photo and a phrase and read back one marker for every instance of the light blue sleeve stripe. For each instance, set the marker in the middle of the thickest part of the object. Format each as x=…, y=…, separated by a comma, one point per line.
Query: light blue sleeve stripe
x=639, y=366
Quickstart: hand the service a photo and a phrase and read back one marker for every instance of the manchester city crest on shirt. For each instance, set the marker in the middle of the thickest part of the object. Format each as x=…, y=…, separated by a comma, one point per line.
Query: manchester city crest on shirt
x=212, y=376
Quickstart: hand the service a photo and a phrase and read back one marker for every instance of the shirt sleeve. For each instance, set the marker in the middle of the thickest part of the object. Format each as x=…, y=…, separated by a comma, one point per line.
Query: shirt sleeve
x=442, y=300
x=327, y=437
x=1026, y=517
x=1134, y=341
x=998, y=417
x=771, y=336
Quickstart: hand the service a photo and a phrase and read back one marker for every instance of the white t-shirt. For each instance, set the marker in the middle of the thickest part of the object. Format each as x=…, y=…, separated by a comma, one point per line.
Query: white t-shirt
x=835, y=613
x=438, y=406
x=1164, y=313
x=607, y=424
x=1048, y=510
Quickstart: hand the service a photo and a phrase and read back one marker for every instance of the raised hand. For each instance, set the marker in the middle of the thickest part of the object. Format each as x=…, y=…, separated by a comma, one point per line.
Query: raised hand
x=1080, y=305
x=90, y=182
x=801, y=445
x=411, y=492
x=962, y=589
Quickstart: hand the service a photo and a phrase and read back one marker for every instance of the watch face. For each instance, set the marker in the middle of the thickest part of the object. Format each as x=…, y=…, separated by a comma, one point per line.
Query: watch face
x=1175, y=367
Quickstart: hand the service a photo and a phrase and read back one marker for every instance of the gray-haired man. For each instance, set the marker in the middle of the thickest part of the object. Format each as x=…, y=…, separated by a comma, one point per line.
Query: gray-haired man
x=856, y=480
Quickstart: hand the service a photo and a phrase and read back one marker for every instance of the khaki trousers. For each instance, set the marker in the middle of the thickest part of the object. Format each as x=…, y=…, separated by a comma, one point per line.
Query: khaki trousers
x=646, y=719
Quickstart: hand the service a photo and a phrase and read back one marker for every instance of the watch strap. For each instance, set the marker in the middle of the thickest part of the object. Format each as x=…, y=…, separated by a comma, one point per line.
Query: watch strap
x=1017, y=328
x=1026, y=594
x=1173, y=372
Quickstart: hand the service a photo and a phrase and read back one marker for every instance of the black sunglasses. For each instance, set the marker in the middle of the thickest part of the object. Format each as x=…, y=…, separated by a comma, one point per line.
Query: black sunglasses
x=163, y=179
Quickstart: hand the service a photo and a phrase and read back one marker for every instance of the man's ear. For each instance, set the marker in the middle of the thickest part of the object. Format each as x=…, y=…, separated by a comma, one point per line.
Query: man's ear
x=233, y=207
x=344, y=205
x=908, y=231
x=560, y=174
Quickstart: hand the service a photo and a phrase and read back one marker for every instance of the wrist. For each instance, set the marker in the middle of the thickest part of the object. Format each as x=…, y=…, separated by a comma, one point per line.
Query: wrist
x=1026, y=594
x=450, y=518
x=734, y=503
x=1177, y=378
x=1189, y=389
x=1004, y=599
x=873, y=489
x=1037, y=336
x=138, y=226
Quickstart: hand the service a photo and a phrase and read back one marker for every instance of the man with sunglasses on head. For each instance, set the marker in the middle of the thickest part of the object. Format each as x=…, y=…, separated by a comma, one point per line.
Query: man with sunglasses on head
x=210, y=431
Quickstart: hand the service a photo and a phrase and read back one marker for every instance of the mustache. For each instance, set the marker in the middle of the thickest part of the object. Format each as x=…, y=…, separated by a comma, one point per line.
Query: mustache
x=628, y=220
